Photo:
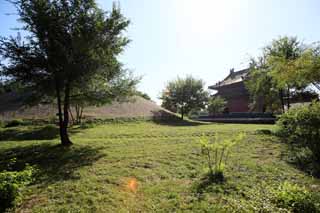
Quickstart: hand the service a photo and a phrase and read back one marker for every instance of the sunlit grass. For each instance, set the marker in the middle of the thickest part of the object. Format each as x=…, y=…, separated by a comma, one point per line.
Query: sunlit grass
x=150, y=167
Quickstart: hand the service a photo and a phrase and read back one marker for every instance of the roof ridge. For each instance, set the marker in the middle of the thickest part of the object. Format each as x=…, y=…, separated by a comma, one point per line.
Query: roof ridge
x=232, y=75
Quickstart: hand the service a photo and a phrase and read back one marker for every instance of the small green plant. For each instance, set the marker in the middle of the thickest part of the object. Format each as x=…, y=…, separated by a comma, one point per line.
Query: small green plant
x=15, y=122
x=216, y=152
x=11, y=183
x=296, y=198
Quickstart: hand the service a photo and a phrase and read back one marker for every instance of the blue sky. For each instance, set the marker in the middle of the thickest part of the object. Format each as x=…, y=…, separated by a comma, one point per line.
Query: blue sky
x=204, y=38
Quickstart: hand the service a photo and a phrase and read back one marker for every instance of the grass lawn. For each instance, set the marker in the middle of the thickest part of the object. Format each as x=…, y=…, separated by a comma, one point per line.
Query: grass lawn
x=147, y=167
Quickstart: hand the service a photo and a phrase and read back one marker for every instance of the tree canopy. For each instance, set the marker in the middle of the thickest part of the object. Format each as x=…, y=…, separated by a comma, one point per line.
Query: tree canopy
x=286, y=66
x=216, y=105
x=183, y=94
x=70, y=44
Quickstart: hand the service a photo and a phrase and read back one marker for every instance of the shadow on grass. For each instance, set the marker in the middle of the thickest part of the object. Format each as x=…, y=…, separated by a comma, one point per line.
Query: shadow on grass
x=47, y=132
x=54, y=162
x=264, y=132
x=177, y=122
x=208, y=181
x=164, y=117
x=38, y=133
x=302, y=159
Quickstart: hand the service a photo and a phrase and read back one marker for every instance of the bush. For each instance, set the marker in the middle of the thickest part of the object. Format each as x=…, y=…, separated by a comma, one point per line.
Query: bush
x=301, y=126
x=13, y=123
x=216, y=105
x=296, y=199
x=11, y=182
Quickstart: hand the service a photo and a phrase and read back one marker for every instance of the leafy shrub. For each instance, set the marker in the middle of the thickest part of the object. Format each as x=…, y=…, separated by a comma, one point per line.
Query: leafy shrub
x=216, y=152
x=296, y=198
x=216, y=105
x=301, y=126
x=11, y=182
x=15, y=122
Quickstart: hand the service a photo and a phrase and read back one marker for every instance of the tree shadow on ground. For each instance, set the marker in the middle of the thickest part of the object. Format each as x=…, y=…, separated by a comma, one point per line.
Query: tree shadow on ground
x=53, y=162
x=163, y=117
x=47, y=132
x=42, y=133
x=264, y=132
x=178, y=122
x=302, y=158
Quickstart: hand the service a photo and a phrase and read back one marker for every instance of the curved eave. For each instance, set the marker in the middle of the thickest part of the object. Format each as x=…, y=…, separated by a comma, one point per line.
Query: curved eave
x=217, y=87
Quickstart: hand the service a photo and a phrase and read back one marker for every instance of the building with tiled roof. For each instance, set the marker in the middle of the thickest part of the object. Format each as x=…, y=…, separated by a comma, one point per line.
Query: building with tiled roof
x=233, y=90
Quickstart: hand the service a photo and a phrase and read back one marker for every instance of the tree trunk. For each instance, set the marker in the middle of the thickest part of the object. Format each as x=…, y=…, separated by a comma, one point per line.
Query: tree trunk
x=281, y=99
x=62, y=129
x=288, y=98
x=80, y=117
x=65, y=138
x=77, y=113
x=71, y=115
x=182, y=113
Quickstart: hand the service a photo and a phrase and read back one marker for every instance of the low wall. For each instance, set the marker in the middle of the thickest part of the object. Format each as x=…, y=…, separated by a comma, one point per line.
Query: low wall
x=241, y=117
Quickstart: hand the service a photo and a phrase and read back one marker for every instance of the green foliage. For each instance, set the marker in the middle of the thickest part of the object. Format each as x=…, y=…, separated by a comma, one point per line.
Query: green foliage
x=98, y=92
x=307, y=67
x=15, y=122
x=296, y=198
x=183, y=94
x=301, y=126
x=71, y=49
x=11, y=183
x=216, y=105
x=262, y=89
x=143, y=95
x=216, y=152
x=286, y=66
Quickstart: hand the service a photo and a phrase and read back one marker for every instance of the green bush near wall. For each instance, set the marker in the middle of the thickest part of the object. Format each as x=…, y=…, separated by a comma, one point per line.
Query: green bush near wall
x=301, y=126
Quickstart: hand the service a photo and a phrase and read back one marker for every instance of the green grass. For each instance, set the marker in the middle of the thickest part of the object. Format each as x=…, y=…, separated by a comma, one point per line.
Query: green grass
x=94, y=175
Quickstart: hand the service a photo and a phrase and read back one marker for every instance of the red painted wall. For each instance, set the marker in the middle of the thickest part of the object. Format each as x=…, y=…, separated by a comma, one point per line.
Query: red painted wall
x=237, y=97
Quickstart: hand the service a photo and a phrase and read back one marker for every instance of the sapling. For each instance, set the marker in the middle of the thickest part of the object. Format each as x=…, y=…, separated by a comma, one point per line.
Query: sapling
x=216, y=151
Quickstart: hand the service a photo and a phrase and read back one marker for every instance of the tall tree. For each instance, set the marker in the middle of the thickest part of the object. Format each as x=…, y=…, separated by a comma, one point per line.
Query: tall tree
x=69, y=43
x=183, y=94
x=98, y=92
x=281, y=56
x=262, y=88
x=272, y=74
